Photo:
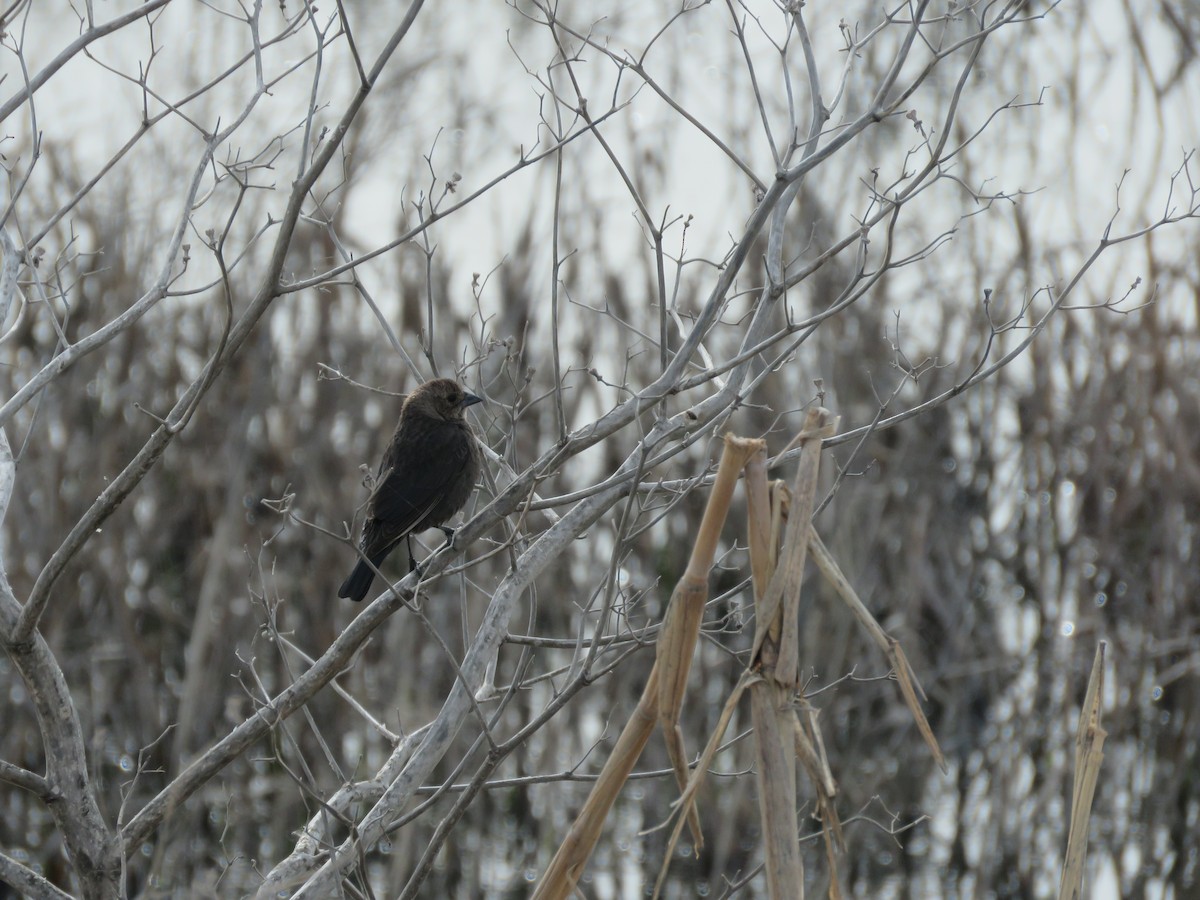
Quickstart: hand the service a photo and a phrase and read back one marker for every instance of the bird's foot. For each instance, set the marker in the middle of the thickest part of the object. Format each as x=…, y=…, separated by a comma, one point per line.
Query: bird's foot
x=419, y=567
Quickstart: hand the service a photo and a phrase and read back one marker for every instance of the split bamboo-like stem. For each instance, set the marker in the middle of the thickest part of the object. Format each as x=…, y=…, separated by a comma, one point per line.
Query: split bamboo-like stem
x=775, y=772
x=1089, y=754
x=783, y=592
x=776, y=657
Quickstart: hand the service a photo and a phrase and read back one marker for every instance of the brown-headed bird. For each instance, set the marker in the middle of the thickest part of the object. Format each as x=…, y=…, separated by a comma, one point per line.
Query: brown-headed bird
x=427, y=474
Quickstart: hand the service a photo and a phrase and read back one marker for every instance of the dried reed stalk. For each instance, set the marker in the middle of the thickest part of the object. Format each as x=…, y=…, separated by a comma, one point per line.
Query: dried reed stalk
x=782, y=734
x=1089, y=754
x=779, y=735
x=776, y=658
x=662, y=698
x=774, y=673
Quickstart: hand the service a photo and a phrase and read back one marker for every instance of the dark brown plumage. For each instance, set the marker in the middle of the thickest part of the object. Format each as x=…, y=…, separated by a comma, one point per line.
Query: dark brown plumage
x=427, y=474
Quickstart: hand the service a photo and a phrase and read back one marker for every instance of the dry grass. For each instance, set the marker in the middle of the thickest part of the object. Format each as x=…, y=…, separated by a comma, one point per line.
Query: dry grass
x=785, y=726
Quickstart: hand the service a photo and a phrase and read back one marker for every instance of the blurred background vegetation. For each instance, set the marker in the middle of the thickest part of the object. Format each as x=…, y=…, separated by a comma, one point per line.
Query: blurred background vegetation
x=999, y=535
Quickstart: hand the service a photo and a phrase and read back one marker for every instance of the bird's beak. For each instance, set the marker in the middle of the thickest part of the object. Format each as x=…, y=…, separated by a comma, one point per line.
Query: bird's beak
x=470, y=400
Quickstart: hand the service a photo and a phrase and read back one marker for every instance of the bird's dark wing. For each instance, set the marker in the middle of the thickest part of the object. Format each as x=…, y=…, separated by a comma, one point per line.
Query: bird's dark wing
x=418, y=470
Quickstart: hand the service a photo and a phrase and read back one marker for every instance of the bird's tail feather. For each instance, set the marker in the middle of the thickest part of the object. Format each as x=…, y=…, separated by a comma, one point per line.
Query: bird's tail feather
x=355, y=587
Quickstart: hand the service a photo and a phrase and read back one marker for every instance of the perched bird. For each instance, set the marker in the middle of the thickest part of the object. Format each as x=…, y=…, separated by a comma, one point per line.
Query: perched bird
x=427, y=474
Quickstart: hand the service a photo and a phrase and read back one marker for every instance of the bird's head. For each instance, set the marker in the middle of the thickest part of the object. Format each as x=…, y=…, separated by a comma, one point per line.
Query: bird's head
x=442, y=398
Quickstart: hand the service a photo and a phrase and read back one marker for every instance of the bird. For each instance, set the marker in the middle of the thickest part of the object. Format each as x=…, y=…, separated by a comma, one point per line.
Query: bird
x=427, y=473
